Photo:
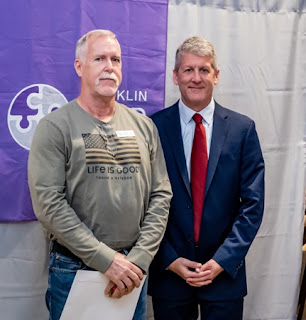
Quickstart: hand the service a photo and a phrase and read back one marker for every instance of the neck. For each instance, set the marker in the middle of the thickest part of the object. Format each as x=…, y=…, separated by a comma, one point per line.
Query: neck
x=102, y=108
x=197, y=107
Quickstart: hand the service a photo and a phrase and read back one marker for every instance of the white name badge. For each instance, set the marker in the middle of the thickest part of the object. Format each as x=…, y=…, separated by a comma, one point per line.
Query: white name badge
x=125, y=133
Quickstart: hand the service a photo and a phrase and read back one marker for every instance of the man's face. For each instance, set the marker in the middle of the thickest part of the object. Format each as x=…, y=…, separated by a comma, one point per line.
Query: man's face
x=100, y=68
x=196, y=79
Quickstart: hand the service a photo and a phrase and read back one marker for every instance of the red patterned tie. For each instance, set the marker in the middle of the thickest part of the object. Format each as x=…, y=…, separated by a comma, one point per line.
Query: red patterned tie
x=198, y=169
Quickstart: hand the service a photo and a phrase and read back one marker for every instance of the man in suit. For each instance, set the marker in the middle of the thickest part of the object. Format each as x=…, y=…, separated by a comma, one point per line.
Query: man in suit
x=216, y=170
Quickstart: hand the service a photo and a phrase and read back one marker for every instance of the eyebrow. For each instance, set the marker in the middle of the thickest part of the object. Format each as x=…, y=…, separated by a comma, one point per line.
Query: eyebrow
x=200, y=67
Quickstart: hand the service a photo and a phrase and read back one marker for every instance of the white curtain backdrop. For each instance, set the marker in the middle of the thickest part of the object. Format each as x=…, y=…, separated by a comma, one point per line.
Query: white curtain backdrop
x=23, y=271
x=261, y=49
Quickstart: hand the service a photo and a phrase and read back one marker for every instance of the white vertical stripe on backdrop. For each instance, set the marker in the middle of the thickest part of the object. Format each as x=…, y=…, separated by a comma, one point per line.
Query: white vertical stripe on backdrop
x=260, y=48
x=23, y=271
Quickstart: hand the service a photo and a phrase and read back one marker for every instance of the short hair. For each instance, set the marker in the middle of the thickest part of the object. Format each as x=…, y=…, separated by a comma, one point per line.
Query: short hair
x=197, y=46
x=82, y=43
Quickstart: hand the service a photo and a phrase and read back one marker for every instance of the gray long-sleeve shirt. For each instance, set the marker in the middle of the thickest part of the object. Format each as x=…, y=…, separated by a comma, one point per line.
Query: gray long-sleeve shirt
x=99, y=187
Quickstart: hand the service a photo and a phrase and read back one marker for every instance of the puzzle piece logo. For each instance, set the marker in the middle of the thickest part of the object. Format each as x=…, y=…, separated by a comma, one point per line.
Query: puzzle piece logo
x=29, y=106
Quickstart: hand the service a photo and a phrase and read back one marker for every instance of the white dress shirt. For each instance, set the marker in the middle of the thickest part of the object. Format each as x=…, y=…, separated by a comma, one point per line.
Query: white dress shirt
x=188, y=127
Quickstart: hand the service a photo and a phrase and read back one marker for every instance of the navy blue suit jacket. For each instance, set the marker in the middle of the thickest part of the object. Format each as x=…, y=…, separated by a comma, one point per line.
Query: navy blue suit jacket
x=232, y=211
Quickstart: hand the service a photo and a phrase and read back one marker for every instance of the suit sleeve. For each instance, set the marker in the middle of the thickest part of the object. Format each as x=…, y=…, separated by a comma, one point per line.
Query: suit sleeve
x=232, y=252
x=166, y=253
x=156, y=217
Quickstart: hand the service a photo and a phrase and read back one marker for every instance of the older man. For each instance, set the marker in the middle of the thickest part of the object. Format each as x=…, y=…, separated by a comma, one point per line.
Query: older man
x=98, y=181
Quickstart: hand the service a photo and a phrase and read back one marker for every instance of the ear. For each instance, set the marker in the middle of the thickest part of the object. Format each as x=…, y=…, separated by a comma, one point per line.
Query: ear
x=175, y=77
x=216, y=80
x=78, y=67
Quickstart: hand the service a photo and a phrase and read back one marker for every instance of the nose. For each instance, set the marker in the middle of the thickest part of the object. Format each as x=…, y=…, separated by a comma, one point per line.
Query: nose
x=108, y=65
x=196, y=76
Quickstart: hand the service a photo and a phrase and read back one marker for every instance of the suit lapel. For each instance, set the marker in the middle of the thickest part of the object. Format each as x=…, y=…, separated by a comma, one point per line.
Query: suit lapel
x=220, y=129
x=174, y=137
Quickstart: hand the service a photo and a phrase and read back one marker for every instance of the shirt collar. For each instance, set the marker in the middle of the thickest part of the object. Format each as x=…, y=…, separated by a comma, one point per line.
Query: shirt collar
x=207, y=113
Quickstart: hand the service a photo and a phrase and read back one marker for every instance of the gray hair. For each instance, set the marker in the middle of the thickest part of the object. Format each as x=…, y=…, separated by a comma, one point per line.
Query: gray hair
x=81, y=45
x=197, y=46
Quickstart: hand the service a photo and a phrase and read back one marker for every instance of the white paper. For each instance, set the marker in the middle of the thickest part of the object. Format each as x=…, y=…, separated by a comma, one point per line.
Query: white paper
x=87, y=301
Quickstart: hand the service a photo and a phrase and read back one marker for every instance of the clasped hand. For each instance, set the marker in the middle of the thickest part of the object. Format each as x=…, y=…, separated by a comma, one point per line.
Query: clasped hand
x=124, y=276
x=195, y=273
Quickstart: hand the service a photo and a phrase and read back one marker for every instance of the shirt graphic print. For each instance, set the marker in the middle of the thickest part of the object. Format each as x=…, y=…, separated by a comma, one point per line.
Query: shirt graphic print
x=111, y=156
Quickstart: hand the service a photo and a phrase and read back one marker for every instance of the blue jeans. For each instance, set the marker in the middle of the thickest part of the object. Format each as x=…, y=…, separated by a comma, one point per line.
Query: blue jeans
x=62, y=271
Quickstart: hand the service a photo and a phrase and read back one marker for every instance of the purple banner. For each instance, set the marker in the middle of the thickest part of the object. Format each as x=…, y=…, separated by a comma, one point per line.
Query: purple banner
x=37, y=47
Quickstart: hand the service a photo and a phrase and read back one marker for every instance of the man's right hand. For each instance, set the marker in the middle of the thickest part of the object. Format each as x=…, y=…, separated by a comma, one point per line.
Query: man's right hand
x=124, y=274
x=187, y=269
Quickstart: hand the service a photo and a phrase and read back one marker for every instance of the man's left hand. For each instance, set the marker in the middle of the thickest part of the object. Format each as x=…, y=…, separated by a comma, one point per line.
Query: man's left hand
x=214, y=268
x=124, y=276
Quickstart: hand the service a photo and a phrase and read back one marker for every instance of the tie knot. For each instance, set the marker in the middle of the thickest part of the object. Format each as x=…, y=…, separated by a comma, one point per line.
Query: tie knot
x=197, y=118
